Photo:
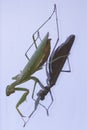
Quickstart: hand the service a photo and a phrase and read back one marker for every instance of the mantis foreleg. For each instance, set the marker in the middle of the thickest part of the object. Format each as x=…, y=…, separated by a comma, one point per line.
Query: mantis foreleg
x=24, y=96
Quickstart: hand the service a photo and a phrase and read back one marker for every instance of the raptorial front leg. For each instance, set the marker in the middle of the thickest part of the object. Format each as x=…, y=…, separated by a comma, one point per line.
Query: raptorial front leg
x=22, y=99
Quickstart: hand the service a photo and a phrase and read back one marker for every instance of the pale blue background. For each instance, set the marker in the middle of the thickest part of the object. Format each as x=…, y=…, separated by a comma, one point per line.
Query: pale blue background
x=19, y=19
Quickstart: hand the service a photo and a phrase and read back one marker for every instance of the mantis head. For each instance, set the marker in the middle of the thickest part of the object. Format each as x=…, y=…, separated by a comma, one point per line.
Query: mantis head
x=9, y=90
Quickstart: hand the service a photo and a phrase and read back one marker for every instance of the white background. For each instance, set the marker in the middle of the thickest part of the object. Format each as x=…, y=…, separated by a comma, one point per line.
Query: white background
x=19, y=19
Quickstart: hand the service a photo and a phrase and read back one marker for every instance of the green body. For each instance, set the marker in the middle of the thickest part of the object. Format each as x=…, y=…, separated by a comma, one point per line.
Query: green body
x=37, y=59
x=35, y=63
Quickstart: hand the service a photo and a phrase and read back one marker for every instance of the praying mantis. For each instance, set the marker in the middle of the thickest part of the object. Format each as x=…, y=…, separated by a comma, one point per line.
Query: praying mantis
x=34, y=64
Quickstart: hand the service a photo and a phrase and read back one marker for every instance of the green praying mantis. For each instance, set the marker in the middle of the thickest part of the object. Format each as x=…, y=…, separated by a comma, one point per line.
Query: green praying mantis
x=35, y=63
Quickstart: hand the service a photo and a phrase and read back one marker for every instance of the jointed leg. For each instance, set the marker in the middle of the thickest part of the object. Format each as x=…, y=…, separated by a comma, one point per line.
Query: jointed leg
x=51, y=100
x=22, y=99
x=34, y=42
x=11, y=89
x=38, y=34
x=37, y=100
